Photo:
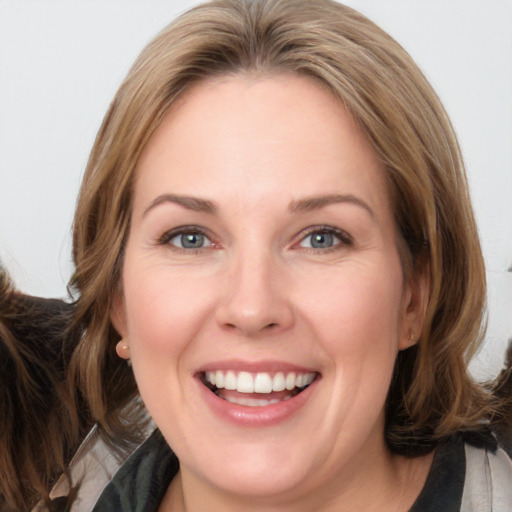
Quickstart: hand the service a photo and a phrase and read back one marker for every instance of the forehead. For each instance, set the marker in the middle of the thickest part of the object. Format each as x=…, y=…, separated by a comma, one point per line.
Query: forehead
x=265, y=136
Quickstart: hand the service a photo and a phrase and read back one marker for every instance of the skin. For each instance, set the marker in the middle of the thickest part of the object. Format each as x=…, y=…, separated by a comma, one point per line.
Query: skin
x=258, y=148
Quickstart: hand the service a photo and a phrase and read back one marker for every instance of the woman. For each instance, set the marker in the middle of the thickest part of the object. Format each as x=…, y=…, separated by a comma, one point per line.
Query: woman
x=274, y=228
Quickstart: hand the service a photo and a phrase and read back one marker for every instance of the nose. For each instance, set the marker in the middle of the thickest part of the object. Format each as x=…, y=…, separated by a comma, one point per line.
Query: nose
x=255, y=299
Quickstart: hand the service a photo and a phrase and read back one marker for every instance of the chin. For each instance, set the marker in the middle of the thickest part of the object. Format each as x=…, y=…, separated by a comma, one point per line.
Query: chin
x=258, y=476
x=262, y=467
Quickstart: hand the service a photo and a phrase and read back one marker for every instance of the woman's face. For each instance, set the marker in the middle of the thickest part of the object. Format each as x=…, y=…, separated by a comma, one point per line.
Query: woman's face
x=262, y=257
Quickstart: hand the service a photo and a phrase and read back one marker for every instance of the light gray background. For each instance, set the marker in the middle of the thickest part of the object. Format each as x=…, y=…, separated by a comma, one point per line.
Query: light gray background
x=62, y=61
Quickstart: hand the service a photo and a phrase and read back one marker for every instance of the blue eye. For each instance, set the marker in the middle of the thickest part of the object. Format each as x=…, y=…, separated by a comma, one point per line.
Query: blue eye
x=321, y=240
x=325, y=238
x=188, y=240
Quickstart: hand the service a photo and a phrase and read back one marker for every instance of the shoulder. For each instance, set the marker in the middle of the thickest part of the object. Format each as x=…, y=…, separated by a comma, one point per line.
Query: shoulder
x=488, y=483
x=103, y=478
x=90, y=470
x=141, y=482
x=469, y=473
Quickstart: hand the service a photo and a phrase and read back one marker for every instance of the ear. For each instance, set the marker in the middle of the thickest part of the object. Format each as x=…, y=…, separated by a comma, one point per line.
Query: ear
x=118, y=319
x=118, y=315
x=414, y=302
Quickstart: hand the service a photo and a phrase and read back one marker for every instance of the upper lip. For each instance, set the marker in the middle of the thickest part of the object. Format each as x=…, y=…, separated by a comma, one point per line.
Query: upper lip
x=263, y=366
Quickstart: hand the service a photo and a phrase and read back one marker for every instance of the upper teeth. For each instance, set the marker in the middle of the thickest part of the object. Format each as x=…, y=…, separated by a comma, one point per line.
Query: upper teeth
x=245, y=382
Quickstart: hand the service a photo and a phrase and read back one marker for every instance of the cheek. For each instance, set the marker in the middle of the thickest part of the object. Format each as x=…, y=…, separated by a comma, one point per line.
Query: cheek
x=356, y=322
x=164, y=311
x=356, y=311
x=359, y=330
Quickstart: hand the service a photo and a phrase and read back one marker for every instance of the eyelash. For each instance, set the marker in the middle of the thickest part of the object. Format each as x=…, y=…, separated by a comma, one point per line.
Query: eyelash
x=345, y=240
x=166, y=238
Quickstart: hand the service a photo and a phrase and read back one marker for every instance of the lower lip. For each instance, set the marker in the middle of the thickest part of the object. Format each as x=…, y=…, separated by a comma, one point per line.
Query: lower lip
x=264, y=416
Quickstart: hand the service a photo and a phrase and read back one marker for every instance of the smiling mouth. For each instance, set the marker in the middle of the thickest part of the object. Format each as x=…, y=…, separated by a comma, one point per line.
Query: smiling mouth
x=256, y=389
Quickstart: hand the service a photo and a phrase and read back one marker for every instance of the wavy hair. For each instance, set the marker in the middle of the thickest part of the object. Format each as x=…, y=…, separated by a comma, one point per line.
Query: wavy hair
x=432, y=395
x=41, y=425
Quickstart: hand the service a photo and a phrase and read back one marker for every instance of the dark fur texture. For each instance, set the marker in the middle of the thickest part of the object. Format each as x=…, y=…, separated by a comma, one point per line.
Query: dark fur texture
x=42, y=420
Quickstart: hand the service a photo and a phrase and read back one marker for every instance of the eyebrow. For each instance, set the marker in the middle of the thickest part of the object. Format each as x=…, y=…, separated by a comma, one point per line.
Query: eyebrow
x=317, y=202
x=195, y=204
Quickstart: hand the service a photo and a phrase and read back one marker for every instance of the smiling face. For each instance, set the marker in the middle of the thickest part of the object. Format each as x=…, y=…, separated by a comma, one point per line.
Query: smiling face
x=263, y=296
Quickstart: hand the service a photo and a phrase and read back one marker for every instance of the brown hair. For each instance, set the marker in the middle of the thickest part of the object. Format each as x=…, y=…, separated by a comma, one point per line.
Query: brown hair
x=432, y=395
x=39, y=429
